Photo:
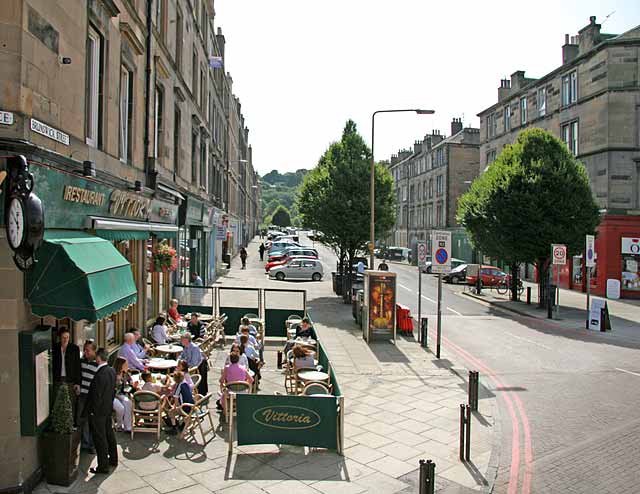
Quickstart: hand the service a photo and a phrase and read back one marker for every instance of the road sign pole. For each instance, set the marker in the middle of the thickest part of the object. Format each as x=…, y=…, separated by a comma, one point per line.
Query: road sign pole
x=588, y=294
x=558, y=291
x=419, y=301
x=439, y=328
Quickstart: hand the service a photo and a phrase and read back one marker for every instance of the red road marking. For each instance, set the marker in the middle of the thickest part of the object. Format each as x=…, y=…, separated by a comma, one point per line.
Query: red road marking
x=515, y=428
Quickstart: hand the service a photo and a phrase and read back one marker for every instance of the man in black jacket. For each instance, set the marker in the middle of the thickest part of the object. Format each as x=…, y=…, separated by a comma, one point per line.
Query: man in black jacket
x=100, y=406
x=66, y=364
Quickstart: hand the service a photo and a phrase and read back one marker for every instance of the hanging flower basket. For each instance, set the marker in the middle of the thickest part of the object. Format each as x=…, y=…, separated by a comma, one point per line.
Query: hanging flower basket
x=163, y=259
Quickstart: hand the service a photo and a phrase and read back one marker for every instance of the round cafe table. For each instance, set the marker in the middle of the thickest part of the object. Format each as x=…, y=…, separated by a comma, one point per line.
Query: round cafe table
x=169, y=349
x=162, y=364
x=313, y=375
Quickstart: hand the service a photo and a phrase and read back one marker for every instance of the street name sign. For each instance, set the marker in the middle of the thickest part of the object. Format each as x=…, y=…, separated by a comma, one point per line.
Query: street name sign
x=590, y=252
x=559, y=254
x=440, y=252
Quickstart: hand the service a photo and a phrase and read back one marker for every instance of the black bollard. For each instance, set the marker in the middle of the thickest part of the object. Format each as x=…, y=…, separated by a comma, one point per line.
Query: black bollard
x=427, y=477
x=465, y=432
x=473, y=390
x=462, y=430
x=424, y=331
x=528, y=295
x=279, y=359
x=467, y=449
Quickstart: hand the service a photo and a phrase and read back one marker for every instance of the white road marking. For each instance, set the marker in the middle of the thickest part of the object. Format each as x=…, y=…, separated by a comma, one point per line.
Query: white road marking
x=429, y=299
x=402, y=286
x=454, y=311
x=627, y=372
x=529, y=341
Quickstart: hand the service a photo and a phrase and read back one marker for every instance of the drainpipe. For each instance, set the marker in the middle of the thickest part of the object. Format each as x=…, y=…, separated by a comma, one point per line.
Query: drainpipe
x=147, y=82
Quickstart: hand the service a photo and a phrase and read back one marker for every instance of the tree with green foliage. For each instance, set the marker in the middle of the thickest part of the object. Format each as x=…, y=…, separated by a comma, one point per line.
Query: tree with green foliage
x=535, y=194
x=281, y=216
x=334, y=197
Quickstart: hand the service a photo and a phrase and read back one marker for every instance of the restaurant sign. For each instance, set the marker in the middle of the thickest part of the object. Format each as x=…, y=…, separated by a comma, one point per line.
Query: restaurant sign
x=163, y=212
x=129, y=205
x=295, y=420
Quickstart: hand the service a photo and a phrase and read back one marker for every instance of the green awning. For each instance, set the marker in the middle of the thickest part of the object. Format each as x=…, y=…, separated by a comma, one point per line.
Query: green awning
x=79, y=276
x=123, y=234
x=167, y=235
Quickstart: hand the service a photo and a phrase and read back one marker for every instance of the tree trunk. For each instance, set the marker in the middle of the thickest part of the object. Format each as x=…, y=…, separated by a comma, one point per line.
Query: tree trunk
x=542, y=266
x=515, y=277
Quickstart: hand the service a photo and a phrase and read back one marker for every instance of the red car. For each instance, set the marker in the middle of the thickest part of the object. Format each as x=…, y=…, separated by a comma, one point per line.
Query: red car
x=489, y=276
x=284, y=260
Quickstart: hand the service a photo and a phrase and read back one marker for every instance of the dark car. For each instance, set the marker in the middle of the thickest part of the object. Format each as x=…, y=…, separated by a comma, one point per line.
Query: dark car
x=457, y=274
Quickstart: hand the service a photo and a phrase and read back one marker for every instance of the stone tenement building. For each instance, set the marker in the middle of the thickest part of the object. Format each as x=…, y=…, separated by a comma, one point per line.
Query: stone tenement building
x=130, y=128
x=592, y=103
x=429, y=180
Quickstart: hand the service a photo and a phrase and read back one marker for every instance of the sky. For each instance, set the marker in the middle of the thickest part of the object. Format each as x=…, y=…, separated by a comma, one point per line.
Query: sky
x=302, y=68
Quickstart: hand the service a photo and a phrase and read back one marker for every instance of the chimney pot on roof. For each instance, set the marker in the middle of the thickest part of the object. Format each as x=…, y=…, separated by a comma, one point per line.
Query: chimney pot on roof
x=592, y=20
x=456, y=126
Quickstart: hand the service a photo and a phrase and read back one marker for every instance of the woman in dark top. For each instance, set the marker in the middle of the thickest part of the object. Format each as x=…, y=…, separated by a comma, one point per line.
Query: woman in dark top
x=305, y=330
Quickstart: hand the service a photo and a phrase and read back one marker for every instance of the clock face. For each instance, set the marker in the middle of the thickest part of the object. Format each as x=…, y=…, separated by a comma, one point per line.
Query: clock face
x=15, y=223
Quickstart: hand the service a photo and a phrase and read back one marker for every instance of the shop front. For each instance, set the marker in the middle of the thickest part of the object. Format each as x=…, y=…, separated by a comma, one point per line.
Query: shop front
x=192, y=245
x=85, y=216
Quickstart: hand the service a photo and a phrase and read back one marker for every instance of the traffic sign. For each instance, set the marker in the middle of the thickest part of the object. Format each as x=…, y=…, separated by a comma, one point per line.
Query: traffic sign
x=559, y=254
x=422, y=253
x=590, y=252
x=441, y=248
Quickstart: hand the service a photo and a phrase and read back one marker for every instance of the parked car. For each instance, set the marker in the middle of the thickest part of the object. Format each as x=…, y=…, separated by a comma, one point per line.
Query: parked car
x=281, y=238
x=396, y=253
x=489, y=276
x=298, y=269
x=284, y=260
x=457, y=274
x=298, y=250
x=271, y=234
x=454, y=264
x=275, y=246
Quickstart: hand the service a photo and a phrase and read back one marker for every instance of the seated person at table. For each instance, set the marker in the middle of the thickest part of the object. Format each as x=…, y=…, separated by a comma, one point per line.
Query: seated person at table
x=128, y=352
x=173, y=313
x=251, y=354
x=302, y=359
x=140, y=347
x=184, y=368
x=232, y=373
x=121, y=403
x=195, y=358
x=159, y=331
x=246, y=322
x=181, y=395
x=305, y=330
x=149, y=385
x=244, y=330
x=235, y=348
x=196, y=327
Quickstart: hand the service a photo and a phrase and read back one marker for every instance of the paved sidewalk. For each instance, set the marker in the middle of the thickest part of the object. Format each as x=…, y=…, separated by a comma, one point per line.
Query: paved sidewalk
x=624, y=314
x=402, y=405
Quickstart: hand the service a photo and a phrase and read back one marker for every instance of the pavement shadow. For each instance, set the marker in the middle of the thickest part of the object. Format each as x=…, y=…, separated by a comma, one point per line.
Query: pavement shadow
x=387, y=352
x=553, y=328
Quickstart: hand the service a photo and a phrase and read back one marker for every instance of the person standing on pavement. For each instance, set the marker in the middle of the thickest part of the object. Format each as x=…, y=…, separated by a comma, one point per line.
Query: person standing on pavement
x=88, y=366
x=360, y=267
x=102, y=392
x=243, y=257
x=383, y=266
x=66, y=364
x=261, y=249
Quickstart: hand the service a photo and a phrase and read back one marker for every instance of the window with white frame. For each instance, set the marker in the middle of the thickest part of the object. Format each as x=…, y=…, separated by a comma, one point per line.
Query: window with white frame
x=179, y=39
x=177, y=131
x=570, y=136
x=126, y=113
x=194, y=155
x=507, y=118
x=203, y=159
x=430, y=188
x=439, y=185
x=542, y=101
x=569, y=88
x=523, y=110
x=158, y=141
x=93, y=88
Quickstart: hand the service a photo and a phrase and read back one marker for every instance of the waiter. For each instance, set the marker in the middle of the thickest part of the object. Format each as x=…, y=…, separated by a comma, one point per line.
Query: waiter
x=102, y=392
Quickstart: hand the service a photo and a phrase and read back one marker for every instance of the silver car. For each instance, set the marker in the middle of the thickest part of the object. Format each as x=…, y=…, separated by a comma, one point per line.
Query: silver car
x=298, y=269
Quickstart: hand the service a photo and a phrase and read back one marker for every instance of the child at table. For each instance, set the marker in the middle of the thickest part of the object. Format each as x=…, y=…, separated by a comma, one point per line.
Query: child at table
x=181, y=395
x=149, y=385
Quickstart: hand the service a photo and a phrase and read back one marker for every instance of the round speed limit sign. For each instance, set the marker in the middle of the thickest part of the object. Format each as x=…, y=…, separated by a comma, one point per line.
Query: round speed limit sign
x=559, y=254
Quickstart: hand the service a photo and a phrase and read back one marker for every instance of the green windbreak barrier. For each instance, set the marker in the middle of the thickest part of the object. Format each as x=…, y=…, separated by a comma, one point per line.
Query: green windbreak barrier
x=296, y=420
x=79, y=276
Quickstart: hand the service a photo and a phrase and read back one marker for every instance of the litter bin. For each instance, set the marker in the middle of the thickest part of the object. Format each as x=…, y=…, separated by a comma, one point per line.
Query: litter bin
x=355, y=288
x=337, y=283
x=360, y=306
x=226, y=258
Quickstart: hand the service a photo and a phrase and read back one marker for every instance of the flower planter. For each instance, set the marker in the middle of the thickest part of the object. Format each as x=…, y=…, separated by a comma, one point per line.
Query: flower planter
x=61, y=458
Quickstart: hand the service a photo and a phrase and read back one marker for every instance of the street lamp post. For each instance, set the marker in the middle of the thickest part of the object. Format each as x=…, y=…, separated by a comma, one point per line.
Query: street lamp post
x=373, y=174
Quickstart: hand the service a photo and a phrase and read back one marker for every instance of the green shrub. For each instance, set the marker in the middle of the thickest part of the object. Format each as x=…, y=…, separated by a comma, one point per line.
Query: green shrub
x=62, y=414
